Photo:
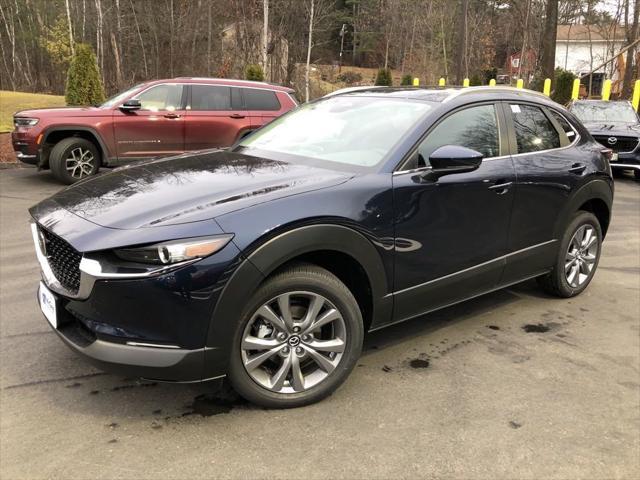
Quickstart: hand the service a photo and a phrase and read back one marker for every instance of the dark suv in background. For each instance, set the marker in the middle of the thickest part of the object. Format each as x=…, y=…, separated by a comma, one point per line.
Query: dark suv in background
x=616, y=126
x=163, y=117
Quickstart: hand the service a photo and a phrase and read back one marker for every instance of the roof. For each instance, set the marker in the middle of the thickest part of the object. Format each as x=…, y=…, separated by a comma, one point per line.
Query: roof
x=227, y=81
x=597, y=33
x=433, y=94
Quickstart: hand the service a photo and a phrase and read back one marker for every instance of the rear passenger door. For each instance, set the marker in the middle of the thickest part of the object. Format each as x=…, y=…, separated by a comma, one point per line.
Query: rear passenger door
x=548, y=170
x=215, y=117
x=263, y=105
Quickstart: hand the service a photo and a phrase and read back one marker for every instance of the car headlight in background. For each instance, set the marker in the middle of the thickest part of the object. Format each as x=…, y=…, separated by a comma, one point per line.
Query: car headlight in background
x=24, y=121
x=175, y=251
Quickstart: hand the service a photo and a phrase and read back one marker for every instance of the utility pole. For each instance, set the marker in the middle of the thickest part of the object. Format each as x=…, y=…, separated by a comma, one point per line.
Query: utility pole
x=341, y=46
x=265, y=37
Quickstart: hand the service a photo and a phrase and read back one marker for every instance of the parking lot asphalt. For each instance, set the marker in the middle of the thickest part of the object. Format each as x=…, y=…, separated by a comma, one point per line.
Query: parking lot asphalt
x=514, y=384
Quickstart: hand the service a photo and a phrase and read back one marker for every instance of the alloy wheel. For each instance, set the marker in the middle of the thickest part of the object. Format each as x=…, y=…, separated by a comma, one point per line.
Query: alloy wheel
x=293, y=342
x=581, y=257
x=80, y=162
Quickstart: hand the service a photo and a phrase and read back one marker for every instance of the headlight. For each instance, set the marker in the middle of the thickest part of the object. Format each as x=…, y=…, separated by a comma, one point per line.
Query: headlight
x=24, y=121
x=175, y=251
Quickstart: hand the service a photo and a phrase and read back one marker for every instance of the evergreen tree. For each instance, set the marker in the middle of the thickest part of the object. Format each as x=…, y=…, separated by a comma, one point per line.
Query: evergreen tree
x=84, y=85
x=384, y=77
x=407, y=80
x=254, y=72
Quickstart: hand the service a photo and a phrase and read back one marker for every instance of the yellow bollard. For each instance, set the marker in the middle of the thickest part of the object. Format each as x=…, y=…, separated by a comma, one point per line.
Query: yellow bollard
x=416, y=82
x=575, y=92
x=441, y=82
x=606, y=90
x=636, y=95
x=520, y=83
x=465, y=82
x=547, y=87
x=492, y=82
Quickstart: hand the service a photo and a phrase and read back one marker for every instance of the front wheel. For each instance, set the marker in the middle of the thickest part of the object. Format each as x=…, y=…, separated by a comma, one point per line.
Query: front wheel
x=578, y=257
x=73, y=159
x=298, y=340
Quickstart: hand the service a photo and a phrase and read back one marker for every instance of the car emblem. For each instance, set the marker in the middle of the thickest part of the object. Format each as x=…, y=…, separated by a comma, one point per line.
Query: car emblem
x=294, y=341
x=612, y=140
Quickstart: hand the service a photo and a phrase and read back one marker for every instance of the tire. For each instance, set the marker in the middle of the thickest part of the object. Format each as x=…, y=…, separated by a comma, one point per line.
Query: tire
x=272, y=382
x=74, y=159
x=578, y=275
x=636, y=174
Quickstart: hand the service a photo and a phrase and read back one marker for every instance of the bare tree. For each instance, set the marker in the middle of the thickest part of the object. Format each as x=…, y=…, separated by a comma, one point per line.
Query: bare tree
x=548, y=59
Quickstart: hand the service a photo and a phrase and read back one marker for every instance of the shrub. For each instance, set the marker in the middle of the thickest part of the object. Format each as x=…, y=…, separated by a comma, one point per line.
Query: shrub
x=254, y=72
x=84, y=85
x=475, y=80
x=384, y=78
x=407, y=80
x=349, y=77
x=562, y=86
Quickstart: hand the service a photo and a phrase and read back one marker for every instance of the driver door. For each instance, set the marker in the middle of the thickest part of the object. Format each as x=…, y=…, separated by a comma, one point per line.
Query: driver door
x=157, y=128
x=451, y=233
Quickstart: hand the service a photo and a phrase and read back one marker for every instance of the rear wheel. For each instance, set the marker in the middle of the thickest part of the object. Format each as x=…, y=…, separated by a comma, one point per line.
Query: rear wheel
x=299, y=339
x=578, y=257
x=73, y=159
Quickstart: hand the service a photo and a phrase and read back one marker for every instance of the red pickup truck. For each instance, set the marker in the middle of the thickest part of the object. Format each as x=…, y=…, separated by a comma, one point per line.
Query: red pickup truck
x=163, y=117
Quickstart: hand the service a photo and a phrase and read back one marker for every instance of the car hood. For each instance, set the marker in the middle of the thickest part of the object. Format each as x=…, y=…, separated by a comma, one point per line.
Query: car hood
x=189, y=188
x=613, y=129
x=64, y=112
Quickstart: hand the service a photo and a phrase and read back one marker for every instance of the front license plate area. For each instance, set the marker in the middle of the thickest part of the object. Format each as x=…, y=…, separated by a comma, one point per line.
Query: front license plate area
x=48, y=305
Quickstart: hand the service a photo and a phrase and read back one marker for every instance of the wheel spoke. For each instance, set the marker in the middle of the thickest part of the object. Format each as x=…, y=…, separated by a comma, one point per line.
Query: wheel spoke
x=584, y=268
x=269, y=315
x=284, y=302
x=277, y=381
x=589, y=259
x=297, y=378
x=571, y=278
x=590, y=243
x=568, y=265
x=588, y=233
x=323, y=362
x=335, y=345
x=259, y=359
x=315, y=305
x=255, y=343
x=329, y=316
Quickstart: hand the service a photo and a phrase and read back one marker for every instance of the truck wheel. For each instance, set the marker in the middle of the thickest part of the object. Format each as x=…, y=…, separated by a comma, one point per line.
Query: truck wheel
x=73, y=159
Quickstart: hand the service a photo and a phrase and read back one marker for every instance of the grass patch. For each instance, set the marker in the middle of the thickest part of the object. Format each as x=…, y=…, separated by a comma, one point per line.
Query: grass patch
x=11, y=102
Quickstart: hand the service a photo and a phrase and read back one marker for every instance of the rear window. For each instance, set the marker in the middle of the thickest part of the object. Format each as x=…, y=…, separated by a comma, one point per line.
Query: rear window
x=256, y=99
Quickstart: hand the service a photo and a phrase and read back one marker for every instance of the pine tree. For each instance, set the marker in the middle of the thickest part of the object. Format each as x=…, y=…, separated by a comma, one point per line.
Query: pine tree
x=254, y=72
x=384, y=77
x=84, y=85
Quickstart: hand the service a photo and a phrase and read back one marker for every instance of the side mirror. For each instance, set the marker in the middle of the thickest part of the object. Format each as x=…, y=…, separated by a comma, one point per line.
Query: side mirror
x=452, y=159
x=131, y=105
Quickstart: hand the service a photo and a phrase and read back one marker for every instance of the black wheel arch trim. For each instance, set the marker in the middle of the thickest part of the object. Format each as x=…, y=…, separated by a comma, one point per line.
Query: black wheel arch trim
x=255, y=267
x=597, y=189
x=61, y=128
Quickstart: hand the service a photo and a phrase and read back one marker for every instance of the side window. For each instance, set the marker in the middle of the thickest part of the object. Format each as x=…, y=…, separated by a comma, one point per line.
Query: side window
x=210, y=97
x=161, y=98
x=534, y=131
x=475, y=128
x=564, y=124
x=256, y=99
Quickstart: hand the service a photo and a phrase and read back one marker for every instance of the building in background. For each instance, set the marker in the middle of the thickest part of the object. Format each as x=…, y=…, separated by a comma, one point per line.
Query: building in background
x=582, y=48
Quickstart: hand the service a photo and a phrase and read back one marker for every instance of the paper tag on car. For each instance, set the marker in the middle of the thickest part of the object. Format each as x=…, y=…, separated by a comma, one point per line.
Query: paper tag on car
x=48, y=304
x=515, y=108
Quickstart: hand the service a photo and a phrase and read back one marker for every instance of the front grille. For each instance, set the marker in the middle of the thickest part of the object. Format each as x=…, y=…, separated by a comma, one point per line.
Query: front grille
x=64, y=261
x=622, y=144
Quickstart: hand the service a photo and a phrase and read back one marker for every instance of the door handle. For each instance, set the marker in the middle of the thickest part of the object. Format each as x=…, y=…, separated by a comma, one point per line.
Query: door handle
x=236, y=115
x=171, y=115
x=577, y=168
x=500, y=186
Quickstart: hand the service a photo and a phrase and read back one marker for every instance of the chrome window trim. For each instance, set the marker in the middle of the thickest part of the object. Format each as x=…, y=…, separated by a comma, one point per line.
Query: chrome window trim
x=424, y=169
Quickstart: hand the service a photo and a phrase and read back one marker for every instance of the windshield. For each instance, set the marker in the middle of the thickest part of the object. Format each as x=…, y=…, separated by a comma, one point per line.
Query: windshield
x=355, y=131
x=116, y=99
x=605, y=112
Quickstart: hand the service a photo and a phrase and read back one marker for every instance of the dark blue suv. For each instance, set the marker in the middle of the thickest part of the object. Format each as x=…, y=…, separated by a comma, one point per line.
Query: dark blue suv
x=268, y=262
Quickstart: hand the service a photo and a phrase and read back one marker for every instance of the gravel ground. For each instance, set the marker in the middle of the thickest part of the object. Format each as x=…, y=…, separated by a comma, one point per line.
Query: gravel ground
x=514, y=384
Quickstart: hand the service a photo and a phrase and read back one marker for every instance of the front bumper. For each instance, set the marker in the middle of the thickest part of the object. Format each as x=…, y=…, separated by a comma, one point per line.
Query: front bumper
x=25, y=147
x=148, y=326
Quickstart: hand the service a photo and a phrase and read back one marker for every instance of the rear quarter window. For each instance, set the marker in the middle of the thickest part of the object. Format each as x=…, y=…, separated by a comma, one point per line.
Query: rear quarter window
x=256, y=99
